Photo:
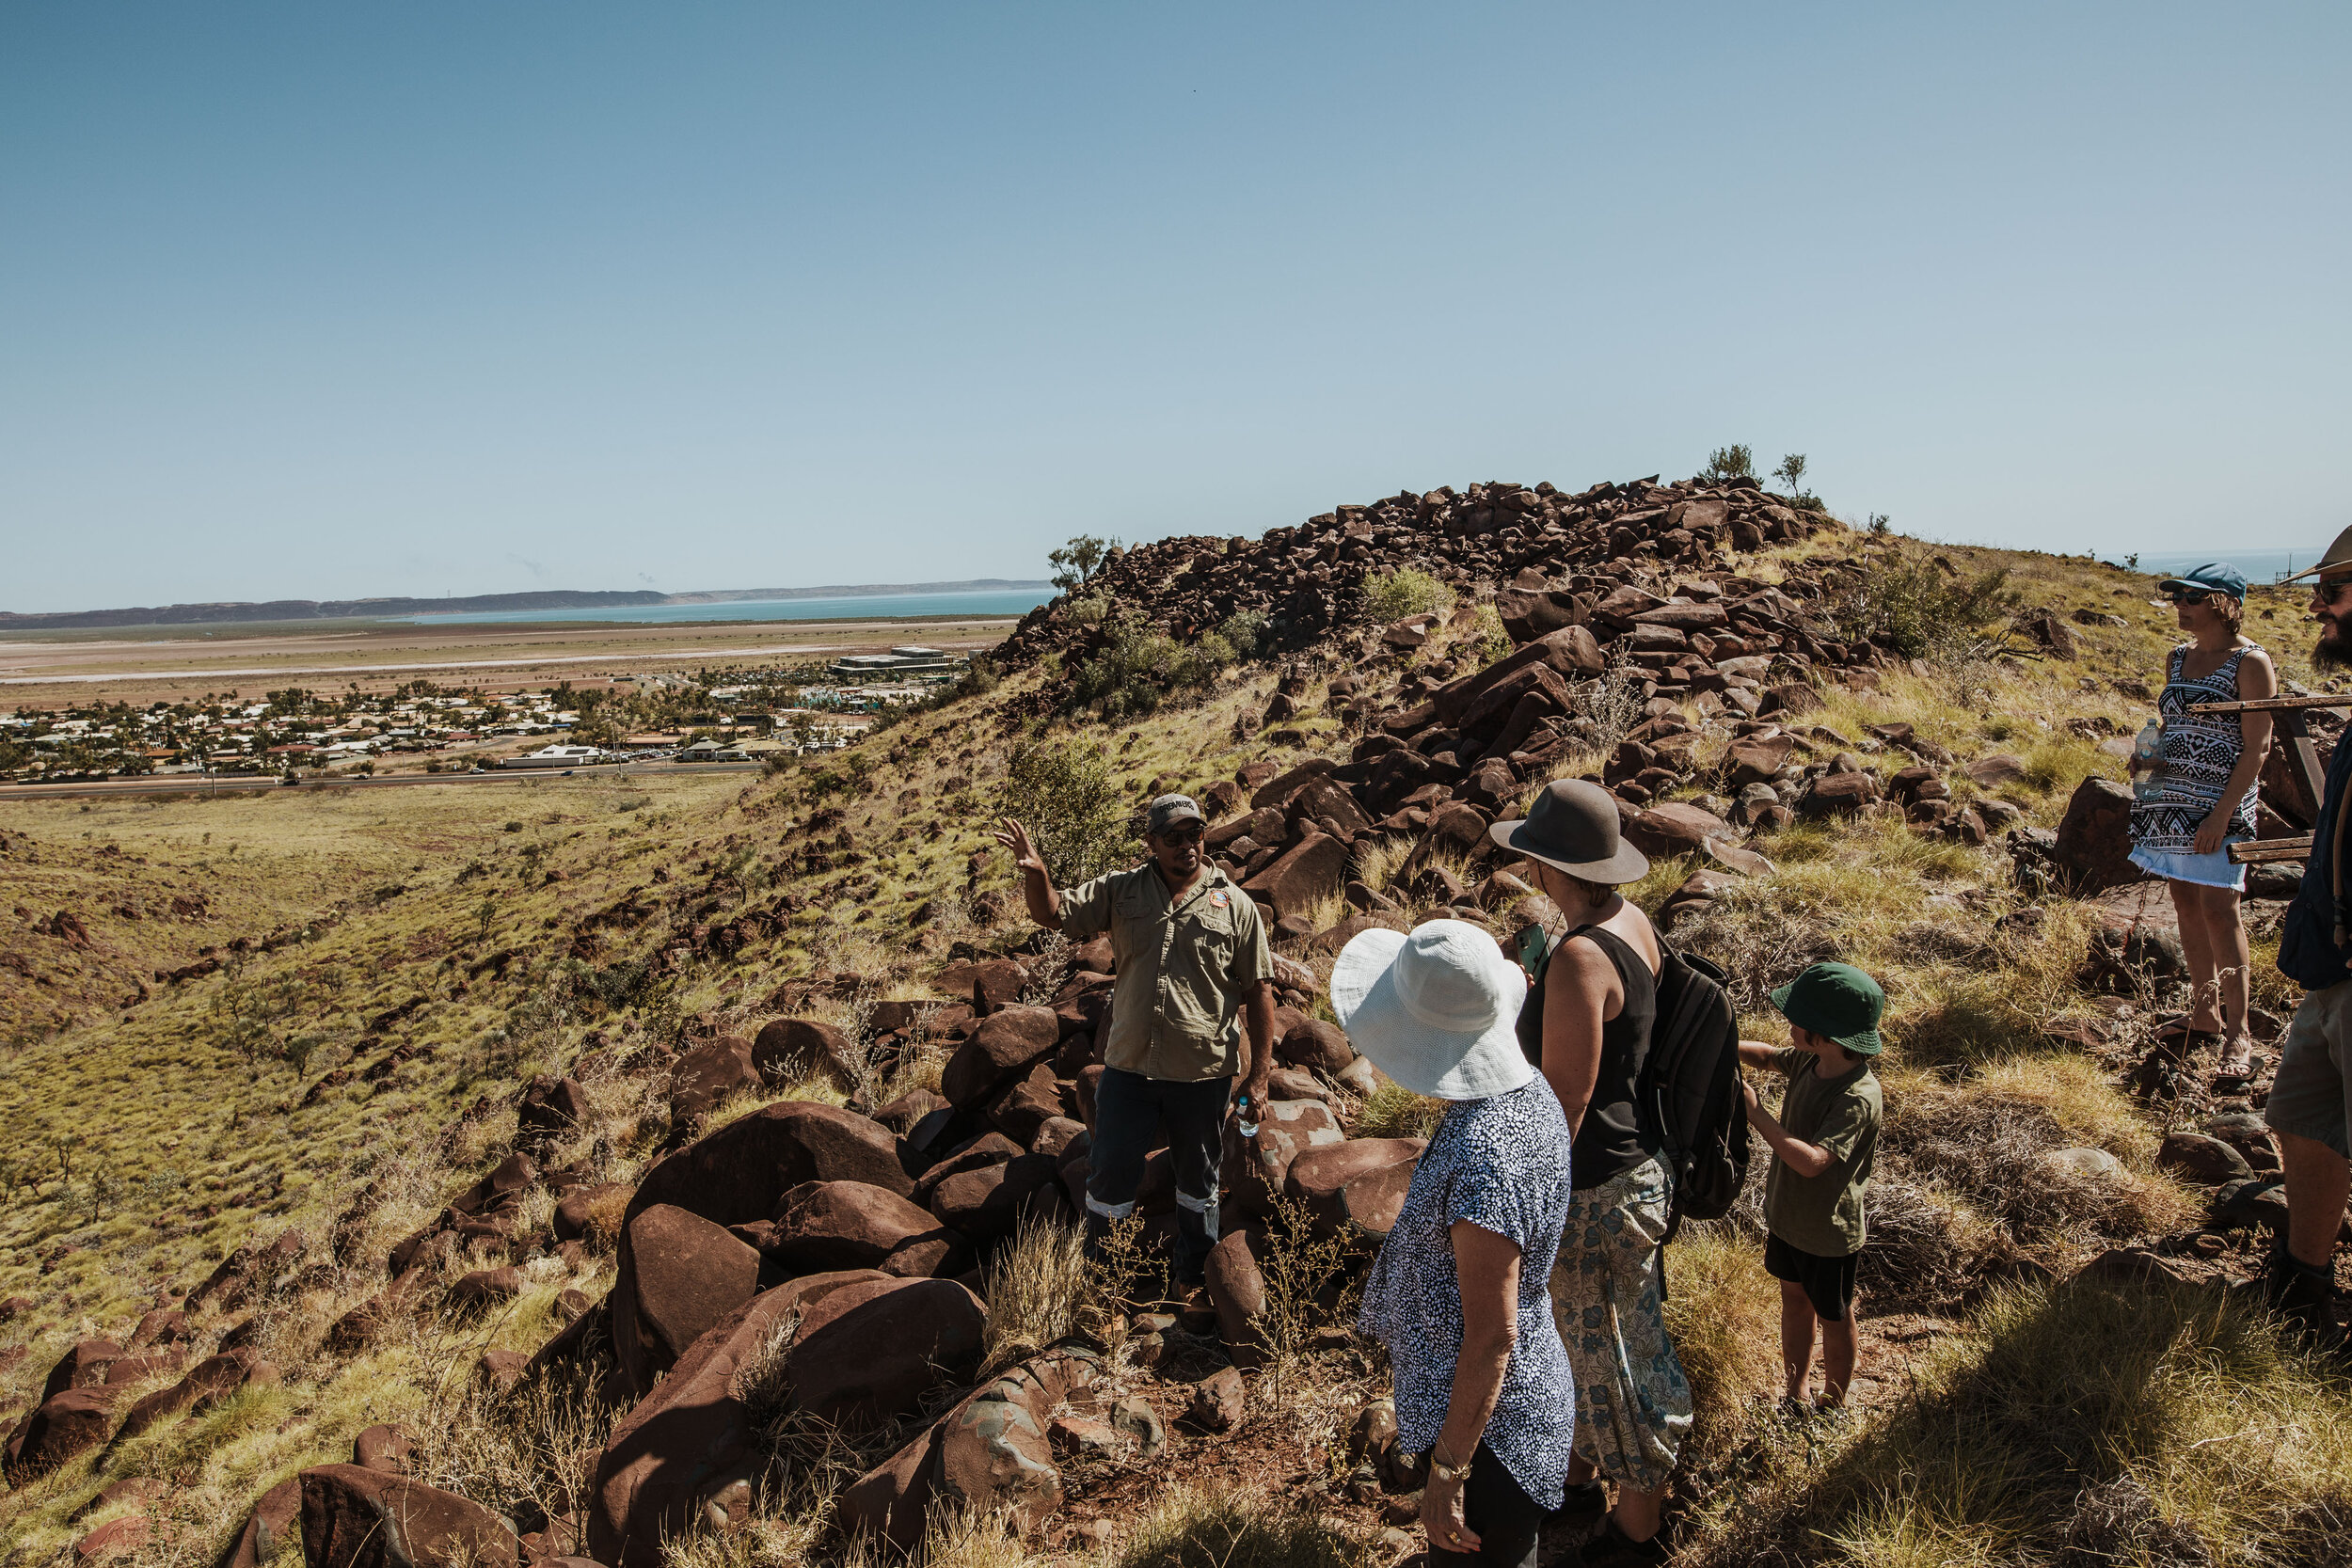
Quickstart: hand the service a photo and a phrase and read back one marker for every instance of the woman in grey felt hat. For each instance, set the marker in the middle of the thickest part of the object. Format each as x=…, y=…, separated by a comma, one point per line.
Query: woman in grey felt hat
x=1458, y=1292
x=1587, y=1024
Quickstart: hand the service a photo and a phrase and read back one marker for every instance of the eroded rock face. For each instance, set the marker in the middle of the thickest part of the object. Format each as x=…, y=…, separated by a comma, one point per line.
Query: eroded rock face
x=709, y=1074
x=275, y=1520
x=682, y=1275
x=1253, y=1170
x=987, y=1203
x=991, y=1451
x=850, y=1225
x=794, y=1048
x=1317, y=1046
x=865, y=1350
x=1356, y=1188
x=1236, y=1287
x=2094, y=839
x=687, y=1440
x=735, y=1175
x=63, y=1427
x=209, y=1380
x=360, y=1518
x=1004, y=1046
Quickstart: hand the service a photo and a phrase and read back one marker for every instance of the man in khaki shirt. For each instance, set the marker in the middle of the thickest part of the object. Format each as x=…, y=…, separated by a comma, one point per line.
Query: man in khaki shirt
x=1193, y=965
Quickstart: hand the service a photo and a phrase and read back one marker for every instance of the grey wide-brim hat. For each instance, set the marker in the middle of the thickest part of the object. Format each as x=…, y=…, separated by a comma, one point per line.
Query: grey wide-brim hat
x=1572, y=827
x=1437, y=1010
x=2337, y=563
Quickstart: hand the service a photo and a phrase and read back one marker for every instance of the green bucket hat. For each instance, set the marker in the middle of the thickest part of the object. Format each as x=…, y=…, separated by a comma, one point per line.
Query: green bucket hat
x=1837, y=1000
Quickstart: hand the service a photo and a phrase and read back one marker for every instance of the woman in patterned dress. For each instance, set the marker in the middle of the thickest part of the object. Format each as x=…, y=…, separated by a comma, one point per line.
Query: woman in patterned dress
x=1457, y=1292
x=2204, y=802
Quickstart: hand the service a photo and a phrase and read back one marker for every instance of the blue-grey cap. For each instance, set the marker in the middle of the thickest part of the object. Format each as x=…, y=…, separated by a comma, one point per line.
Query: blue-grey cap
x=2214, y=577
x=1168, y=810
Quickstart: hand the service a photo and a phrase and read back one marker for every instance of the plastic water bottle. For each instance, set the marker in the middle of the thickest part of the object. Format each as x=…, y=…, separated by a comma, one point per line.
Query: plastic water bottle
x=2148, y=762
x=1246, y=1118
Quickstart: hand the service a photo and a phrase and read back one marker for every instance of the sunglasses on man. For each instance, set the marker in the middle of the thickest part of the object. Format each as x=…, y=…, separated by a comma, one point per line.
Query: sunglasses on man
x=2188, y=595
x=1192, y=832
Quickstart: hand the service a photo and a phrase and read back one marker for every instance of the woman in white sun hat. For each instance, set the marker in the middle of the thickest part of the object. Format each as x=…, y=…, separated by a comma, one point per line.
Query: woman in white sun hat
x=1457, y=1293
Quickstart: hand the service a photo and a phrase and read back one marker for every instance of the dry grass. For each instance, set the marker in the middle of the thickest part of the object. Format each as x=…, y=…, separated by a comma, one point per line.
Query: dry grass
x=2080, y=1423
x=1723, y=1311
x=1037, y=1292
x=1209, y=1528
x=1993, y=1151
x=1394, y=1111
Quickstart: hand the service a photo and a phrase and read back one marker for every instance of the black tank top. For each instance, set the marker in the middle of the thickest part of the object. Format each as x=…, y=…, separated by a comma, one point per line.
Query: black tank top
x=1615, y=1135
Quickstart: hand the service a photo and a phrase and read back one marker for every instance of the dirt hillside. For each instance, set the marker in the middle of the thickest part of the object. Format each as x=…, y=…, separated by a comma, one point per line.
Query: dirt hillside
x=685, y=1171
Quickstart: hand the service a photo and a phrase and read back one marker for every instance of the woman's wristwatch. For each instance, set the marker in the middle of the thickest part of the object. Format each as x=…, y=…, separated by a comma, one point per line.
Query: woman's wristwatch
x=1451, y=1474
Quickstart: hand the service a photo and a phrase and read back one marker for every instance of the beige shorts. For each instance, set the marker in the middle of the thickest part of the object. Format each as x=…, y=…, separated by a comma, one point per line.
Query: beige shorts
x=2312, y=1096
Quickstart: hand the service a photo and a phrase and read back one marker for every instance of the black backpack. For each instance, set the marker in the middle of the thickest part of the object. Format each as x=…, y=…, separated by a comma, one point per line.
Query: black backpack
x=1687, y=1089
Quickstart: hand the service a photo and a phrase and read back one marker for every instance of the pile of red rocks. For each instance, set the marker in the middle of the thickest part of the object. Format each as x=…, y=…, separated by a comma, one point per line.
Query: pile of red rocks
x=1446, y=750
x=1307, y=580
x=860, y=1240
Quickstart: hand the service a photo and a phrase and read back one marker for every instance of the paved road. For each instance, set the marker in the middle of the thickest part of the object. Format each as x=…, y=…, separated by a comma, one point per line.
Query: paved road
x=183, y=784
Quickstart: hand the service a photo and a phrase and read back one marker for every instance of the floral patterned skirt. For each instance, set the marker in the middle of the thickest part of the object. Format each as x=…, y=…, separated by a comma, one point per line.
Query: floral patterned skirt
x=1608, y=1296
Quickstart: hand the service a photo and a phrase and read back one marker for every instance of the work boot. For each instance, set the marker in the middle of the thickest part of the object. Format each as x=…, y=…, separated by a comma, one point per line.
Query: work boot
x=2304, y=1295
x=1612, y=1548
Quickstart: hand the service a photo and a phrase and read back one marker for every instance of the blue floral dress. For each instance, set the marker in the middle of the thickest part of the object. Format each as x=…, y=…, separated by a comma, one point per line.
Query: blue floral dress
x=1502, y=1164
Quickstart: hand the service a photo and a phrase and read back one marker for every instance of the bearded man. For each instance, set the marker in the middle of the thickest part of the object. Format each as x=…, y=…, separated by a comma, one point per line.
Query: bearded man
x=2311, y=1101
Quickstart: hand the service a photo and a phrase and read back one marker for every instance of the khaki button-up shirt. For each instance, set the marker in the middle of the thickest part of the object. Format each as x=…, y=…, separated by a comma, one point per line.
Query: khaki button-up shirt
x=1183, y=971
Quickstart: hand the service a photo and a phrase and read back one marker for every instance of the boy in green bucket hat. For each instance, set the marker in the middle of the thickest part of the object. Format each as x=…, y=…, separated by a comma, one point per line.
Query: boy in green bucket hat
x=1824, y=1143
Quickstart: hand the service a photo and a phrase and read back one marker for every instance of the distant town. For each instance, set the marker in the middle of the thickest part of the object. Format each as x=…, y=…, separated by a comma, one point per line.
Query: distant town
x=728, y=715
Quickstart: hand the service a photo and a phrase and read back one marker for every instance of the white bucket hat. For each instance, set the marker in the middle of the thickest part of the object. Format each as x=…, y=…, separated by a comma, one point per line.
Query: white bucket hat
x=1437, y=1010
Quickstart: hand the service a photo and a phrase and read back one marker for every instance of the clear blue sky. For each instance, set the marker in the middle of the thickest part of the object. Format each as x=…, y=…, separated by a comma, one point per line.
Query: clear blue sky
x=330, y=300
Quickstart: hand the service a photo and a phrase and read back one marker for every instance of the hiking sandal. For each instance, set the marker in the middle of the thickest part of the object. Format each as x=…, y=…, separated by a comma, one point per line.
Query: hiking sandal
x=2237, y=1068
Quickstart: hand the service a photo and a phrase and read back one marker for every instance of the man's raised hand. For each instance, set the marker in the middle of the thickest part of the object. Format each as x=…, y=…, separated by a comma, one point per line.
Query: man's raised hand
x=1015, y=837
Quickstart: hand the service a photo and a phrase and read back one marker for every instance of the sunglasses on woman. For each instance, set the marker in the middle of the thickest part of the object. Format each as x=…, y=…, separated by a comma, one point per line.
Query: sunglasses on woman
x=2188, y=595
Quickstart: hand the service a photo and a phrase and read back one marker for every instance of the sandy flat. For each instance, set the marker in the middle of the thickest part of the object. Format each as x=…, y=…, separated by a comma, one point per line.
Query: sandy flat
x=55, y=674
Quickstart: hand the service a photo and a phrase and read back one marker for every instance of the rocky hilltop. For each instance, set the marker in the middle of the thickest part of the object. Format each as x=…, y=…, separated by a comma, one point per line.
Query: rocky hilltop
x=1308, y=580
x=703, y=1190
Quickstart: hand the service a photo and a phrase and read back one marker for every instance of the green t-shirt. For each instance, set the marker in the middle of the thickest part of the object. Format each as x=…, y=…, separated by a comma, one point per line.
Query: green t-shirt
x=1822, y=1215
x=1184, y=969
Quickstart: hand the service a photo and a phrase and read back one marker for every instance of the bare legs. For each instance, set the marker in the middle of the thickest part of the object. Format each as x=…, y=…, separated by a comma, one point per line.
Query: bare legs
x=2318, y=1182
x=1637, y=1514
x=1797, y=1320
x=2214, y=939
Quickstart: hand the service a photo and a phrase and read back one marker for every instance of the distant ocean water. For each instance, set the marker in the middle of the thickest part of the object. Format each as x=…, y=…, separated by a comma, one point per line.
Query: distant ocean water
x=2260, y=567
x=994, y=603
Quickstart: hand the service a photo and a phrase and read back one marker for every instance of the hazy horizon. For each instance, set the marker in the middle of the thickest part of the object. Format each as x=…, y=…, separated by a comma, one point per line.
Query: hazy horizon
x=305, y=303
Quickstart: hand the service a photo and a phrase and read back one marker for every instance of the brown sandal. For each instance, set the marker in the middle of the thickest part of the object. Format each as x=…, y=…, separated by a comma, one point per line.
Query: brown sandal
x=2236, y=1071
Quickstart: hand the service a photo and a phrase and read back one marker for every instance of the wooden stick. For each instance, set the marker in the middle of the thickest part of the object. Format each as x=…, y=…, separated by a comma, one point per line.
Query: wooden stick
x=2264, y=852
x=2270, y=705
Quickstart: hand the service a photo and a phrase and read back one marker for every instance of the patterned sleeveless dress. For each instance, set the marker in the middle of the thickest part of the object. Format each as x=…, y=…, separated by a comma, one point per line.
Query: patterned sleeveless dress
x=2197, y=757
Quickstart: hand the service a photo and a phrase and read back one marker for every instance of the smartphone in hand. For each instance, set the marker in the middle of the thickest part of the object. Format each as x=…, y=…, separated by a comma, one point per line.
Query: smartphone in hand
x=1533, y=951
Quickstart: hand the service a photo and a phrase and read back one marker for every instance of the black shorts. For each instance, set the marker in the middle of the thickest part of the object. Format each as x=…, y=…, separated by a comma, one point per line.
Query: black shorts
x=1827, y=1282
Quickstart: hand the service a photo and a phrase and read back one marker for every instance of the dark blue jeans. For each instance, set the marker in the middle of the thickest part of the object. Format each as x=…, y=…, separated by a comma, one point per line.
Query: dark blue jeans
x=1131, y=1115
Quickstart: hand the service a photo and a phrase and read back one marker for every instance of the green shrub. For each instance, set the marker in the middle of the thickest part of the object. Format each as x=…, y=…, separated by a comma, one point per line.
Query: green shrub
x=1393, y=595
x=1733, y=462
x=1243, y=631
x=1065, y=796
x=1143, y=667
x=1909, y=607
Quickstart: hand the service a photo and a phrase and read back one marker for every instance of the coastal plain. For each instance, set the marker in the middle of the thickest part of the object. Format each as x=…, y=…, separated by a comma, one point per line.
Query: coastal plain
x=142, y=665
